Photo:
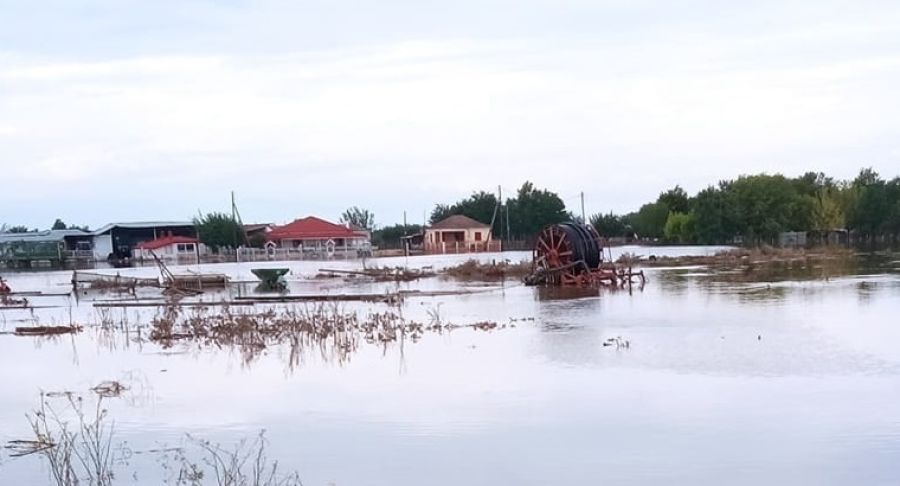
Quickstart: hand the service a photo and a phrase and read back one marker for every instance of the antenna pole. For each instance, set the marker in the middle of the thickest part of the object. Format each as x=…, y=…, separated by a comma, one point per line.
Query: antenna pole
x=583, y=218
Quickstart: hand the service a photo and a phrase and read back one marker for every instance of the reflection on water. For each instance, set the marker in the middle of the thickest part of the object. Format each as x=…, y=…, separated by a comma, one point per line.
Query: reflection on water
x=567, y=293
x=783, y=375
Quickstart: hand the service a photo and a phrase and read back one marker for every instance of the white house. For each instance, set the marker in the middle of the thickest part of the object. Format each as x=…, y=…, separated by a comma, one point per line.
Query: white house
x=170, y=249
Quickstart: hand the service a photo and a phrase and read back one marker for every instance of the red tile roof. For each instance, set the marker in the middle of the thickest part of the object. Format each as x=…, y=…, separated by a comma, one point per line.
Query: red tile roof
x=310, y=227
x=164, y=241
x=458, y=222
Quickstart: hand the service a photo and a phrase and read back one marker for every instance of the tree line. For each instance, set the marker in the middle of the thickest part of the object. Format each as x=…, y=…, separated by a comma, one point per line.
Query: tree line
x=59, y=224
x=517, y=218
x=756, y=209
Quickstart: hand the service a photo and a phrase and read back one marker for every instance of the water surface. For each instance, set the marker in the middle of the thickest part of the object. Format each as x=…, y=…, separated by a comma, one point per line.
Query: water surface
x=791, y=378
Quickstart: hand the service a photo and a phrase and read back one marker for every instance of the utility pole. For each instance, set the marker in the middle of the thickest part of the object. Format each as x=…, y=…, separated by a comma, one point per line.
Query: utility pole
x=508, y=234
x=234, y=219
x=498, y=208
x=404, y=222
x=583, y=218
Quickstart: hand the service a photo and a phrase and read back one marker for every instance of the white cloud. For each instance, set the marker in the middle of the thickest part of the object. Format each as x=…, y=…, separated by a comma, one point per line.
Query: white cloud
x=402, y=125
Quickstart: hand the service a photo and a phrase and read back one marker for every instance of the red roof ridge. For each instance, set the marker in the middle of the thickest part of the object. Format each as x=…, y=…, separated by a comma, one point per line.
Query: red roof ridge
x=164, y=241
x=457, y=222
x=310, y=227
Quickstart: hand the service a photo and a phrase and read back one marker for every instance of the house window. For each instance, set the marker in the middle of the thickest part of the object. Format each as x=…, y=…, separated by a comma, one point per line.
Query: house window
x=478, y=236
x=185, y=247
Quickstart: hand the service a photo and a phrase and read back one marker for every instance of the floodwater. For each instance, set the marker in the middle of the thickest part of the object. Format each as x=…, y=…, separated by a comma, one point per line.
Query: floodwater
x=790, y=378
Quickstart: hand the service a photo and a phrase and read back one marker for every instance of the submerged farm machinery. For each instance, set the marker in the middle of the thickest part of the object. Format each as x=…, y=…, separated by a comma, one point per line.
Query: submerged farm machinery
x=571, y=254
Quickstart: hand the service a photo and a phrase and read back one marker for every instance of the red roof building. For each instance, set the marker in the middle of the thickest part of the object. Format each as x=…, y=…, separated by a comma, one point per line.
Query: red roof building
x=316, y=233
x=170, y=248
x=164, y=241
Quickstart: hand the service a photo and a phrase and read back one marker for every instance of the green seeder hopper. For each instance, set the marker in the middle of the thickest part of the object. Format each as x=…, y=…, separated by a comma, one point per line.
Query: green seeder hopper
x=271, y=278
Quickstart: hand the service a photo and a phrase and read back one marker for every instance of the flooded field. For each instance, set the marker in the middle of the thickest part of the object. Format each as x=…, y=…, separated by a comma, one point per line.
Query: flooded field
x=774, y=376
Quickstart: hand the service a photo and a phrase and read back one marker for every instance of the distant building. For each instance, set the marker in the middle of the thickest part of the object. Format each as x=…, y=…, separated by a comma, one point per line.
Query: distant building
x=360, y=232
x=170, y=249
x=252, y=230
x=792, y=239
x=414, y=243
x=53, y=247
x=116, y=241
x=315, y=235
x=459, y=234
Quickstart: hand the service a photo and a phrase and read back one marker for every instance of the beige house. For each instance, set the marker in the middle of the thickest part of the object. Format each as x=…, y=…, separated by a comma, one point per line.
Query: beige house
x=459, y=234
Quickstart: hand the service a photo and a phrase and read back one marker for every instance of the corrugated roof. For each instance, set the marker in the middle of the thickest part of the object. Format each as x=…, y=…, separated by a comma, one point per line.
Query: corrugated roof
x=164, y=241
x=144, y=224
x=256, y=227
x=458, y=222
x=41, y=236
x=310, y=227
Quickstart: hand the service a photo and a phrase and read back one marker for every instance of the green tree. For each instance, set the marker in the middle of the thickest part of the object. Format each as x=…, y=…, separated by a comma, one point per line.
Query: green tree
x=389, y=236
x=479, y=206
x=650, y=220
x=768, y=205
x=680, y=227
x=360, y=218
x=872, y=205
x=61, y=225
x=532, y=209
x=257, y=240
x=528, y=212
x=828, y=211
x=715, y=215
x=892, y=188
x=219, y=230
x=15, y=229
x=609, y=225
x=811, y=183
x=440, y=212
x=676, y=199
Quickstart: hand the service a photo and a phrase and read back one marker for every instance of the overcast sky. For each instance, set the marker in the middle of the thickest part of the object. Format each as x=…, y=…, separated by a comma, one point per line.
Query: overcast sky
x=124, y=110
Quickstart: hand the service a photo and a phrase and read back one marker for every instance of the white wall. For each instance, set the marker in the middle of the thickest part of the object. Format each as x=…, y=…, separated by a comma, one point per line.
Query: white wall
x=102, y=247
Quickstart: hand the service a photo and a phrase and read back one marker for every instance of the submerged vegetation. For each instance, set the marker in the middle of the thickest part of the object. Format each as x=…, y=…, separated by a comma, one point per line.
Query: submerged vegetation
x=379, y=274
x=475, y=270
x=334, y=332
x=75, y=436
x=763, y=255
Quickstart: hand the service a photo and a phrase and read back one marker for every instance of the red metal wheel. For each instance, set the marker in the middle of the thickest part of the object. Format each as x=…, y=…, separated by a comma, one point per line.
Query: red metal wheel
x=553, y=250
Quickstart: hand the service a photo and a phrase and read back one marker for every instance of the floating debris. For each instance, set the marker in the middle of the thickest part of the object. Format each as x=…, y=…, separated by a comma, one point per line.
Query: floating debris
x=109, y=389
x=197, y=282
x=380, y=274
x=618, y=342
x=46, y=330
x=99, y=281
x=21, y=448
x=475, y=270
